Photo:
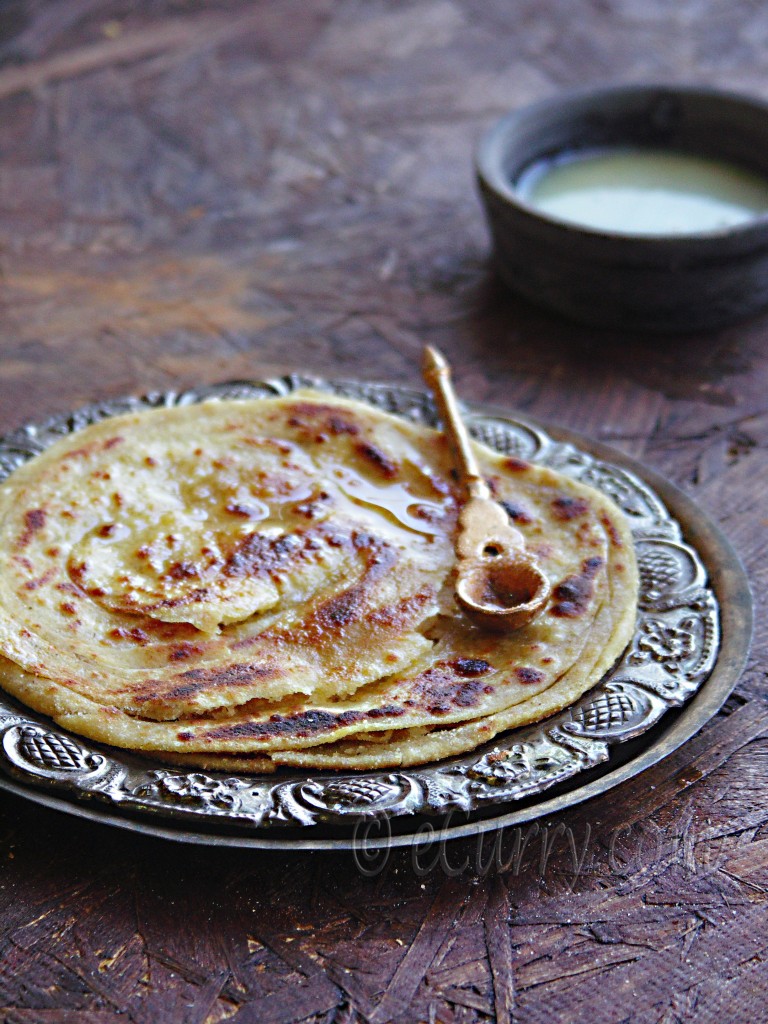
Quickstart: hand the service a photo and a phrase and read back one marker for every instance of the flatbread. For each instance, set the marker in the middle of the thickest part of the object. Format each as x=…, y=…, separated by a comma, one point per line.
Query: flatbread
x=245, y=584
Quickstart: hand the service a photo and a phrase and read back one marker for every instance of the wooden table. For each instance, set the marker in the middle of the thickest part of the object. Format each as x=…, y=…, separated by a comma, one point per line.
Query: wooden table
x=193, y=192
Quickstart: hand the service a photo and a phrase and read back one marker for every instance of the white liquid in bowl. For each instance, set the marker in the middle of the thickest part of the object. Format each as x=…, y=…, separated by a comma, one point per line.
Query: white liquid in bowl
x=644, y=191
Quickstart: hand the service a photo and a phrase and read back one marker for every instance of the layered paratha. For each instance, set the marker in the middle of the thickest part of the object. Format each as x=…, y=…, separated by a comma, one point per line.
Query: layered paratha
x=247, y=584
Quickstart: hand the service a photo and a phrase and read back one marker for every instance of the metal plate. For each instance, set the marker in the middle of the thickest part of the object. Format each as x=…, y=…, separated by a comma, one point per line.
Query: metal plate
x=692, y=637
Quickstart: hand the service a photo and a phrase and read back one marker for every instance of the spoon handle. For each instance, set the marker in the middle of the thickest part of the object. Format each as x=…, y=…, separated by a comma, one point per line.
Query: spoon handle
x=437, y=374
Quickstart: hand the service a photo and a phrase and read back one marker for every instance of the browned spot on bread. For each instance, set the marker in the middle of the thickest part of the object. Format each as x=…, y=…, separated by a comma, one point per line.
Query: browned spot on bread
x=426, y=513
x=338, y=425
x=106, y=530
x=67, y=607
x=308, y=509
x=258, y=553
x=188, y=683
x=302, y=724
x=78, y=571
x=610, y=528
x=170, y=631
x=307, y=723
x=235, y=509
x=516, y=512
x=573, y=595
x=34, y=520
x=516, y=465
x=339, y=610
x=273, y=443
x=471, y=666
x=379, y=459
x=137, y=635
x=112, y=442
x=191, y=597
x=441, y=689
x=40, y=581
x=314, y=506
x=184, y=650
x=79, y=453
x=528, y=675
x=181, y=571
x=398, y=615
x=323, y=418
x=335, y=613
x=566, y=507
x=387, y=711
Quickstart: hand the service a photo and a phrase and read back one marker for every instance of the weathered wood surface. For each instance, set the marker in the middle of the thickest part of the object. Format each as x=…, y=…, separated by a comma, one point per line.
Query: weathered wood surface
x=197, y=192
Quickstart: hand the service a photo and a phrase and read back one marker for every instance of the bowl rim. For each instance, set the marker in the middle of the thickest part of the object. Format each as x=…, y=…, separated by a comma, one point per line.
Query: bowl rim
x=494, y=144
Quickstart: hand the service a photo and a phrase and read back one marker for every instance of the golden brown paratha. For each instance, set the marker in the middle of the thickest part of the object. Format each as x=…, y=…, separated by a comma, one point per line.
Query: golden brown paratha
x=243, y=584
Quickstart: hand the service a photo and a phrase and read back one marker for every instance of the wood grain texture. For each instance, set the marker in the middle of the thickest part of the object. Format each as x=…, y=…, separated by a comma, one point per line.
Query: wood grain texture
x=190, y=193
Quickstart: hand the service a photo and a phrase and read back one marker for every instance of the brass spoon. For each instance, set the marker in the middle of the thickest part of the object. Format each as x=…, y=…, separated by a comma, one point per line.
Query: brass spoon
x=498, y=584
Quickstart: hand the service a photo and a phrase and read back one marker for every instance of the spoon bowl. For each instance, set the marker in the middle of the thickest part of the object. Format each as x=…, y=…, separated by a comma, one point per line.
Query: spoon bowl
x=502, y=595
x=498, y=584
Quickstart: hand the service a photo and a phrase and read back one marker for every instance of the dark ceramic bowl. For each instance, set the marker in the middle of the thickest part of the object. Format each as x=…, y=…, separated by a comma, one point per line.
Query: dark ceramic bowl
x=665, y=283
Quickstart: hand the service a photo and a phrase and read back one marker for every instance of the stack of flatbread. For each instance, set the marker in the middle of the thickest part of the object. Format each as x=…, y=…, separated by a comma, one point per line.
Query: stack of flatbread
x=248, y=584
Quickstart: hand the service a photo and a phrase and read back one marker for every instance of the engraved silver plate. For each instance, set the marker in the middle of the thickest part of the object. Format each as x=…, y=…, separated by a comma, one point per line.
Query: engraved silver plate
x=673, y=651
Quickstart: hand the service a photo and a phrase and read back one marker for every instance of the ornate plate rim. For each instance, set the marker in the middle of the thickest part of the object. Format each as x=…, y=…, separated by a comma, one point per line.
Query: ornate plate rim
x=298, y=802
